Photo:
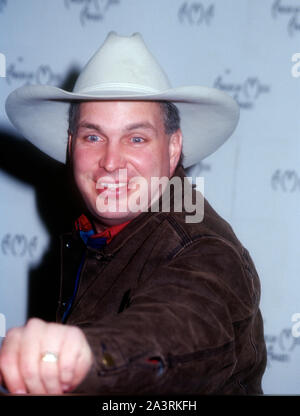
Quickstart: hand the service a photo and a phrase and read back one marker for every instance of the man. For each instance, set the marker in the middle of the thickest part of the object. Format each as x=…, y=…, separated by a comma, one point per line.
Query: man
x=151, y=301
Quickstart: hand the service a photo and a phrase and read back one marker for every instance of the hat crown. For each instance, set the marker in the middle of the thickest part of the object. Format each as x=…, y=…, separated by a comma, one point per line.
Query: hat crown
x=122, y=60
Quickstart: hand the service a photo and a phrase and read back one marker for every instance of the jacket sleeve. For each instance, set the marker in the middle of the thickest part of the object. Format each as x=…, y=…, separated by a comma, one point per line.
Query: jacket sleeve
x=179, y=332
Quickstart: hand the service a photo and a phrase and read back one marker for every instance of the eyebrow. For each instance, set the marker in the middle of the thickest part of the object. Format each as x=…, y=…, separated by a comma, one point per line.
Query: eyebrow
x=143, y=125
x=129, y=127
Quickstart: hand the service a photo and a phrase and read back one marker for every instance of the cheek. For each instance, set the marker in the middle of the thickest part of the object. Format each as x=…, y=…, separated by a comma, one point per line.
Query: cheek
x=152, y=162
x=82, y=160
x=146, y=164
x=161, y=161
x=81, y=169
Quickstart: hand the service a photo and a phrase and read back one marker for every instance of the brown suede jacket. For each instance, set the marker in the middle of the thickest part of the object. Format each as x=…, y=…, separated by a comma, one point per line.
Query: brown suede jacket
x=168, y=307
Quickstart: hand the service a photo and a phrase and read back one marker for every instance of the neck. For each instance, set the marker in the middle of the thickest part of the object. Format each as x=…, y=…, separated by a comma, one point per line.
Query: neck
x=100, y=226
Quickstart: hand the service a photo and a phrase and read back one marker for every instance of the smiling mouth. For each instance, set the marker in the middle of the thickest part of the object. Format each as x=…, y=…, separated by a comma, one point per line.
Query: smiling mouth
x=111, y=185
x=114, y=187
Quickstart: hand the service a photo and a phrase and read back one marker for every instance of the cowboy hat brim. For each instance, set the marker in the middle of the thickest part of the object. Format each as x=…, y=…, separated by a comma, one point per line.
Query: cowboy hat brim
x=40, y=113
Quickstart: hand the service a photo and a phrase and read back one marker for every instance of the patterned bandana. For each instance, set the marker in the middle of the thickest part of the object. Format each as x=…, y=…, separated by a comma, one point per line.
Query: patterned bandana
x=92, y=239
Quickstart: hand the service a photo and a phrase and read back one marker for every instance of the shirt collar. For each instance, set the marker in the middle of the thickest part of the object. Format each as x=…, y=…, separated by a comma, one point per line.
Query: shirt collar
x=96, y=240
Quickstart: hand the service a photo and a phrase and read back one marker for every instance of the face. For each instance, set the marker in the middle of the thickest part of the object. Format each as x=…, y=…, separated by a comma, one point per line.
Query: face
x=116, y=143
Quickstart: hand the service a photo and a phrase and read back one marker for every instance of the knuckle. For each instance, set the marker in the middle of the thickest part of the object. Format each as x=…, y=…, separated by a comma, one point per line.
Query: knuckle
x=33, y=322
x=75, y=333
x=53, y=326
x=11, y=334
x=54, y=330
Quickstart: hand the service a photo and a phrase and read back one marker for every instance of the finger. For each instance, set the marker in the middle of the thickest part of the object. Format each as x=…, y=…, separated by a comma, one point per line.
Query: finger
x=68, y=358
x=84, y=363
x=49, y=371
x=75, y=358
x=30, y=356
x=9, y=362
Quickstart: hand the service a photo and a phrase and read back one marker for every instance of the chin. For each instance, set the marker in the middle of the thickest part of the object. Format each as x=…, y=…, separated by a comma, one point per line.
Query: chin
x=110, y=214
x=110, y=219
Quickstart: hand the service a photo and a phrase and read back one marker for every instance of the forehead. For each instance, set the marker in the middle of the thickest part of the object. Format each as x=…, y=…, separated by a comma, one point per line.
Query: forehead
x=121, y=111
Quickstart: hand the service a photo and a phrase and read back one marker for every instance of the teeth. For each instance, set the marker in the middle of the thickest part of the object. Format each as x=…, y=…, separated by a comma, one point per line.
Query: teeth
x=112, y=185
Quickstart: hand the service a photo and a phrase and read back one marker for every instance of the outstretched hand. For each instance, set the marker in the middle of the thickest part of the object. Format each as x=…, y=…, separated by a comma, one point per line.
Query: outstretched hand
x=23, y=369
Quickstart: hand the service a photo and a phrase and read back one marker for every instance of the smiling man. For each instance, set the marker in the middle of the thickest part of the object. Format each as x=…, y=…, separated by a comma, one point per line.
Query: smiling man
x=116, y=143
x=149, y=302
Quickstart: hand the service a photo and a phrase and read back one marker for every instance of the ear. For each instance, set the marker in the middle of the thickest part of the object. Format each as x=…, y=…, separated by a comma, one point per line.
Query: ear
x=175, y=147
x=70, y=146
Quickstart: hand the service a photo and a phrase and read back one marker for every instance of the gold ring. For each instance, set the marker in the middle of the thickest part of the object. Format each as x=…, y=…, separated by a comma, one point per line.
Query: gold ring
x=49, y=357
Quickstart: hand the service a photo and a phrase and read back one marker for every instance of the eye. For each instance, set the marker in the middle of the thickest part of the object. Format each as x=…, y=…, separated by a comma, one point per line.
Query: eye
x=137, y=140
x=93, y=138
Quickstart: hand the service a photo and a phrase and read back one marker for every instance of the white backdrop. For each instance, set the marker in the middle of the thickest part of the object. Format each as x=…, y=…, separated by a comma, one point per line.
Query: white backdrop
x=244, y=47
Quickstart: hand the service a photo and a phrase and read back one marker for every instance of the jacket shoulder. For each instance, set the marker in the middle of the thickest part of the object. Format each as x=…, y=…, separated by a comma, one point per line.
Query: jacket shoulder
x=212, y=225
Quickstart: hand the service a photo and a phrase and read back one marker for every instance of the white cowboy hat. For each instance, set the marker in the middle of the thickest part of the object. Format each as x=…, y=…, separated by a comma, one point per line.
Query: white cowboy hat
x=123, y=69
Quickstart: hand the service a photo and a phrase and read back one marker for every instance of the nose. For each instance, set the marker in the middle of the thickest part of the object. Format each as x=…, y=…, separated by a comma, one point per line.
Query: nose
x=112, y=159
